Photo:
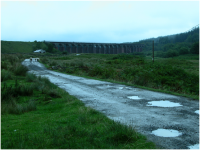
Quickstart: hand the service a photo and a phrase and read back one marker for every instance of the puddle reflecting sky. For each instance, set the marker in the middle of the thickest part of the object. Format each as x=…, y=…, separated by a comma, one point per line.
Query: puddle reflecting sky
x=163, y=104
x=197, y=111
x=166, y=133
x=133, y=97
x=196, y=146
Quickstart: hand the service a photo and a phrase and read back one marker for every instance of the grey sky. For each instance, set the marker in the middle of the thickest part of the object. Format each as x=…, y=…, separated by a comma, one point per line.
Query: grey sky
x=90, y=21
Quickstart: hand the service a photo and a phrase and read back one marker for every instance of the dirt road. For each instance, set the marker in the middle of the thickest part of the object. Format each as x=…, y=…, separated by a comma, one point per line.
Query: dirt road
x=172, y=122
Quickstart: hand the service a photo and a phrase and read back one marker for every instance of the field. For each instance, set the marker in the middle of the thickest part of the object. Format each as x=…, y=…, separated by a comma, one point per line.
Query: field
x=35, y=111
x=17, y=47
x=37, y=114
x=177, y=75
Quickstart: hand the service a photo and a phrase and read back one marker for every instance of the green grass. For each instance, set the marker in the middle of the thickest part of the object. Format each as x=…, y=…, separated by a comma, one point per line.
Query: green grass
x=67, y=123
x=36, y=114
x=16, y=47
x=170, y=75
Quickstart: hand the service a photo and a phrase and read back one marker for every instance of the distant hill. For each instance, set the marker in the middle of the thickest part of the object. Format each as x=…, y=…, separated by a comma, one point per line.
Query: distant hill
x=16, y=47
x=191, y=35
x=177, y=44
x=19, y=47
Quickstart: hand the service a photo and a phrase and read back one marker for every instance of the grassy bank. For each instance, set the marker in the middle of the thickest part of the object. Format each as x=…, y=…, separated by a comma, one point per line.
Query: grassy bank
x=36, y=114
x=177, y=75
x=16, y=47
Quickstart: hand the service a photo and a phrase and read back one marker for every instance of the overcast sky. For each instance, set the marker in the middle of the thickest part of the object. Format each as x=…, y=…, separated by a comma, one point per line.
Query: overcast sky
x=90, y=21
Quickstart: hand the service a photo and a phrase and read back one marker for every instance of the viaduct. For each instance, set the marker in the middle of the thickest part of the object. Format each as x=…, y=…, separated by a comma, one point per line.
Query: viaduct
x=103, y=48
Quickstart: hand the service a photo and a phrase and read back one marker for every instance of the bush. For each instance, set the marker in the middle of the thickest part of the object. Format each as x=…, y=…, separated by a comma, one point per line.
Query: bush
x=53, y=63
x=121, y=134
x=183, y=51
x=160, y=54
x=4, y=65
x=195, y=48
x=30, y=77
x=124, y=56
x=16, y=90
x=42, y=82
x=13, y=59
x=19, y=69
x=108, y=73
x=97, y=70
x=54, y=93
x=6, y=75
x=65, y=53
x=44, y=60
x=171, y=53
x=26, y=90
x=12, y=107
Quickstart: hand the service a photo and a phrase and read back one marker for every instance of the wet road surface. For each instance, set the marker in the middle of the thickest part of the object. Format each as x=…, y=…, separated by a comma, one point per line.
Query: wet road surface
x=171, y=122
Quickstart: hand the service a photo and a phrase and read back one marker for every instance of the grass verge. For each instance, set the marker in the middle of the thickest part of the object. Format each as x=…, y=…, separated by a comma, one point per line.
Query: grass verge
x=172, y=76
x=36, y=114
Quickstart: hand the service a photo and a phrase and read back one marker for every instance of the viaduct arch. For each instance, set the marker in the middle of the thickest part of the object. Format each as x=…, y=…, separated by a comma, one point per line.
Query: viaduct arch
x=102, y=48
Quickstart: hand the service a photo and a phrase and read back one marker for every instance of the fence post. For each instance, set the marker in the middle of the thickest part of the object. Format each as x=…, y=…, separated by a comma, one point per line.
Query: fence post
x=153, y=51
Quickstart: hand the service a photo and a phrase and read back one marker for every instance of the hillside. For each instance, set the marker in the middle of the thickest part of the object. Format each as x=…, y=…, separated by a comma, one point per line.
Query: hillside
x=173, y=45
x=16, y=47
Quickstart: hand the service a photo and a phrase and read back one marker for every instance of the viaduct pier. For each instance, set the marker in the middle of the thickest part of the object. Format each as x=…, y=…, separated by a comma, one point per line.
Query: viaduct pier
x=102, y=48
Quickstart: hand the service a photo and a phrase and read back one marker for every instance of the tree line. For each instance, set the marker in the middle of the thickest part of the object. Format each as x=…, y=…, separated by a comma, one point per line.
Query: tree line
x=48, y=47
x=174, y=45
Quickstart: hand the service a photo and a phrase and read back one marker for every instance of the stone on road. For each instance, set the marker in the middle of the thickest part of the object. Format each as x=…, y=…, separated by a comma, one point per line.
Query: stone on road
x=171, y=122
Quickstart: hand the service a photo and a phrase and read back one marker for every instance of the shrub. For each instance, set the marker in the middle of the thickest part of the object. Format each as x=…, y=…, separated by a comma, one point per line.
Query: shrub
x=108, y=73
x=6, y=75
x=26, y=90
x=4, y=65
x=97, y=70
x=30, y=77
x=13, y=59
x=64, y=53
x=171, y=53
x=121, y=133
x=183, y=51
x=195, y=48
x=16, y=90
x=80, y=64
x=54, y=93
x=44, y=60
x=53, y=63
x=42, y=82
x=70, y=70
x=160, y=54
x=19, y=69
x=12, y=107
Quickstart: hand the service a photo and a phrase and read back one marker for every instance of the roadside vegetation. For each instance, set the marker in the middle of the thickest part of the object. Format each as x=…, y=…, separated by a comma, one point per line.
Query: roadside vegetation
x=36, y=114
x=27, y=47
x=177, y=75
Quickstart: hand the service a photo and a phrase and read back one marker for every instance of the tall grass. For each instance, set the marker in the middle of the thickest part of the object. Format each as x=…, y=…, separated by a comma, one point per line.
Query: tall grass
x=30, y=77
x=164, y=74
x=4, y=65
x=6, y=75
x=80, y=134
x=16, y=90
x=18, y=69
x=12, y=107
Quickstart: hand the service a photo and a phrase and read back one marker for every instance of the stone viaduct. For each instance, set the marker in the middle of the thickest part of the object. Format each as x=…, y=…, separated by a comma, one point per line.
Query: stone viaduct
x=103, y=48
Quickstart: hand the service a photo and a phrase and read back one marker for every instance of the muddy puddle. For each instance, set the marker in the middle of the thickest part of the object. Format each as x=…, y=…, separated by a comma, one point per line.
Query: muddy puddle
x=163, y=103
x=166, y=133
x=134, y=97
x=196, y=146
x=197, y=111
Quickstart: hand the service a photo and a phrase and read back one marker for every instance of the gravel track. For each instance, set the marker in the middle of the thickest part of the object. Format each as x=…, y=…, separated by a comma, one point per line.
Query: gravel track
x=132, y=106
